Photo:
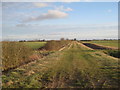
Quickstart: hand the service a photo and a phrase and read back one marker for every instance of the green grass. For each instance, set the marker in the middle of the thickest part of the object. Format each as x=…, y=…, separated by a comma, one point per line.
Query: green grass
x=111, y=43
x=71, y=68
x=34, y=45
x=114, y=53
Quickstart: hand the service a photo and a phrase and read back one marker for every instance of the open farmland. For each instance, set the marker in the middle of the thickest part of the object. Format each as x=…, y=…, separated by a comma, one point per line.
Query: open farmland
x=110, y=47
x=110, y=43
x=34, y=45
x=73, y=66
x=65, y=44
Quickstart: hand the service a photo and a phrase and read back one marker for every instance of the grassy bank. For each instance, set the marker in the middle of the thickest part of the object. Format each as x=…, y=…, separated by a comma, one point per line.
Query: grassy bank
x=14, y=54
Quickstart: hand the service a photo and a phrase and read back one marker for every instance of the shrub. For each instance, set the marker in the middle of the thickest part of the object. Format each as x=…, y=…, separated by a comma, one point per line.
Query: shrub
x=55, y=45
x=14, y=54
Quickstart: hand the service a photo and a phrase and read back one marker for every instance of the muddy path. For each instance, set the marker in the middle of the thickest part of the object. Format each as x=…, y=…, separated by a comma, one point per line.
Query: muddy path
x=95, y=46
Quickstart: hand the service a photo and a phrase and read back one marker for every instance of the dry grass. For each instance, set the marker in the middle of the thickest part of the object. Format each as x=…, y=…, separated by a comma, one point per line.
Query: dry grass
x=14, y=54
x=56, y=45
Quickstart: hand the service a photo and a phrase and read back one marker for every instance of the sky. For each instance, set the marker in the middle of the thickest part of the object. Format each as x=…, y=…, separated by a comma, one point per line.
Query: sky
x=55, y=20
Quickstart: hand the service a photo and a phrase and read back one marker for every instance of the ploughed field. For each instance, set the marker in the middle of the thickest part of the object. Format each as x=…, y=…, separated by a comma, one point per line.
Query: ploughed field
x=69, y=65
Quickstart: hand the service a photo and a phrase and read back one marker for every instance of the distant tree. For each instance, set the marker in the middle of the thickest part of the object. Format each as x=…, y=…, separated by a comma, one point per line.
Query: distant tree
x=62, y=39
x=43, y=40
x=74, y=39
x=67, y=39
x=22, y=41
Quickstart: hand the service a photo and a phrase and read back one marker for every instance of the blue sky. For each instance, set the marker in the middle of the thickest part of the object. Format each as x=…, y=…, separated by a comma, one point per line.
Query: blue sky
x=54, y=20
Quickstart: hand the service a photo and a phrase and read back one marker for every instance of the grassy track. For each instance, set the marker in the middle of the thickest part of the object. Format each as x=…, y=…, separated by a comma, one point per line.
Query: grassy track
x=111, y=43
x=75, y=66
x=34, y=45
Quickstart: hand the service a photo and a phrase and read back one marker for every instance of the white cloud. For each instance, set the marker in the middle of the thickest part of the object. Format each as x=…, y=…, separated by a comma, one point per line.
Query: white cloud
x=63, y=9
x=41, y=5
x=69, y=9
x=51, y=14
x=106, y=34
x=38, y=31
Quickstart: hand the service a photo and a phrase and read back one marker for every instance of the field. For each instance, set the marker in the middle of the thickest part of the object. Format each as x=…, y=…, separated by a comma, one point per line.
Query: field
x=110, y=47
x=110, y=43
x=34, y=45
x=70, y=65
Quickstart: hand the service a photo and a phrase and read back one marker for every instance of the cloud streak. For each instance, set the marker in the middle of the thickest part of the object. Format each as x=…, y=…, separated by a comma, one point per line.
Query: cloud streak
x=37, y=31
x=41, y=5
x=51, y=14
x=107, y=34
x=61, y=8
